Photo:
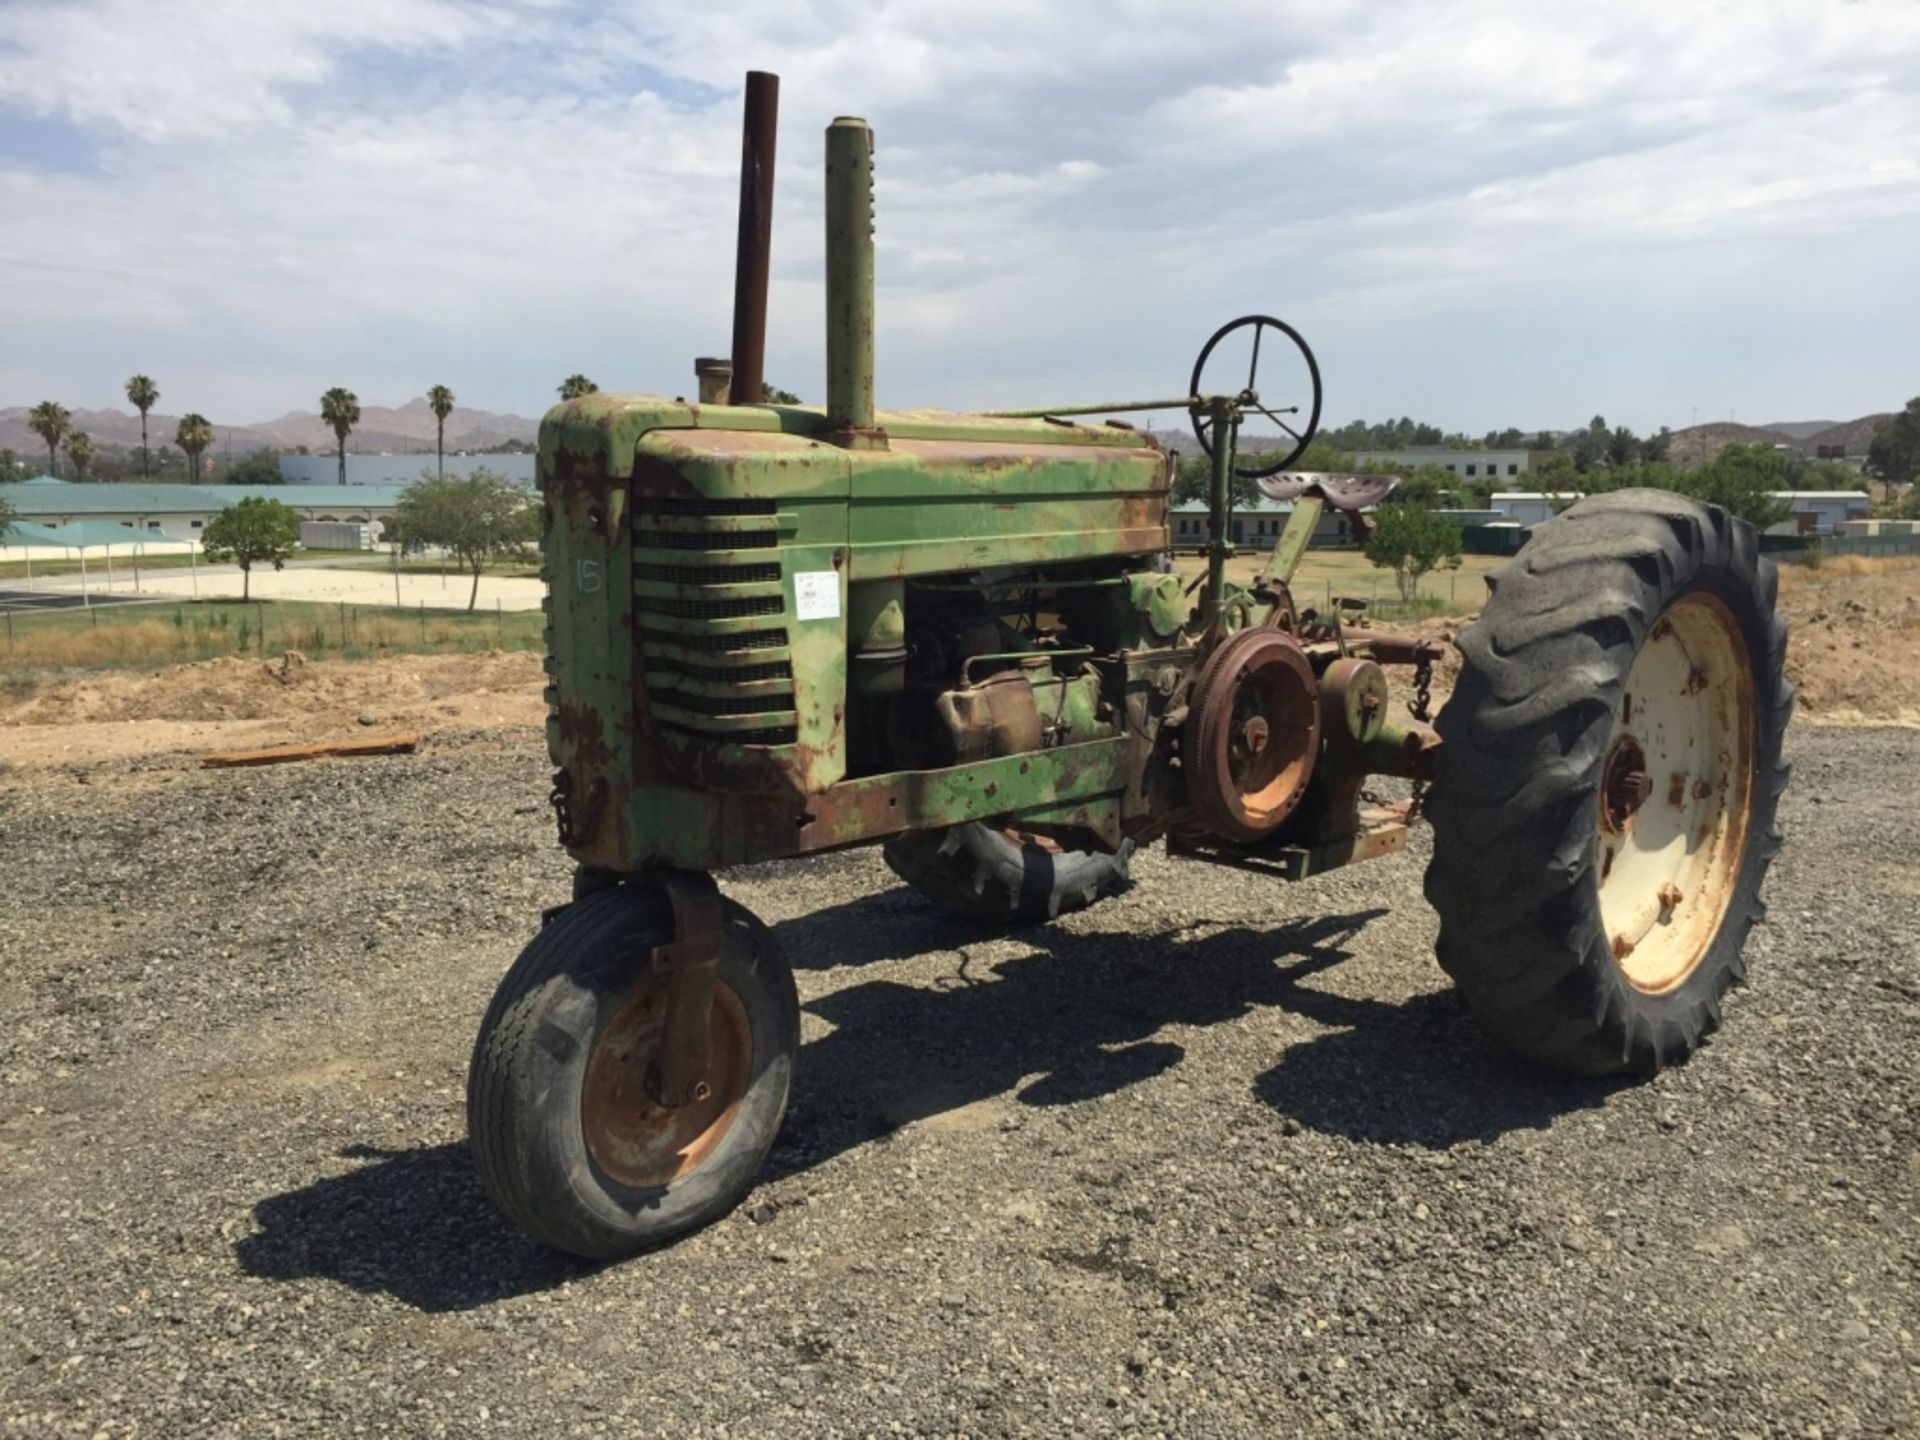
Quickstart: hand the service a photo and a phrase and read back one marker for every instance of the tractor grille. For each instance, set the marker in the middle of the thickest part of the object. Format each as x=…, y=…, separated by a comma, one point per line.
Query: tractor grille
x=706, y=539
x=712, y=640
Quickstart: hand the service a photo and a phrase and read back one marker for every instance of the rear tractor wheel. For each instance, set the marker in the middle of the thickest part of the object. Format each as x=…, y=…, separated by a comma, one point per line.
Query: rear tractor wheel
x=1603, y=813
x=568, y=1132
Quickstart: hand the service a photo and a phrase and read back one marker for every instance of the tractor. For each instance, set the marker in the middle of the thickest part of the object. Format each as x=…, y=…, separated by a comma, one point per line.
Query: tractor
x=777, y=630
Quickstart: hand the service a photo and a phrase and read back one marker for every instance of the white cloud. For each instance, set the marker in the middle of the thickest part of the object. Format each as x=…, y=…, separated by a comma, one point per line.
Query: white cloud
x=275, y=197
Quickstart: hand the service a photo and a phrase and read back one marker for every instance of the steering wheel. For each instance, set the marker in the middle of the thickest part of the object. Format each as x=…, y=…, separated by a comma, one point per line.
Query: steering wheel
x=1250, y=398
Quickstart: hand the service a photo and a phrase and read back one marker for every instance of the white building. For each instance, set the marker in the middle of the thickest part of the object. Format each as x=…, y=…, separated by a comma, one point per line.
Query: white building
x=1257, y=525
x=181, y=512
x=398, y=469
x=1820, y=512
x=1467, y=464
x=1815, y=512
x=1530, y=507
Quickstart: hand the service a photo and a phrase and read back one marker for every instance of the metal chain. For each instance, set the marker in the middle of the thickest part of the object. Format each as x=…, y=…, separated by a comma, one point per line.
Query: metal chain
x=1421, y=709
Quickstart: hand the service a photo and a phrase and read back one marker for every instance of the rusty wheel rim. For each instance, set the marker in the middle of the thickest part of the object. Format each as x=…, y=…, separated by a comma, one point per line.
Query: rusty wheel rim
x=632, y=1138
x=1676, y=794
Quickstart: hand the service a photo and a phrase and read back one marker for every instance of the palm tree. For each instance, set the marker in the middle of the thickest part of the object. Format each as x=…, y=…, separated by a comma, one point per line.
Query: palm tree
x=440, y=398
x=142, y=393
x=80, y=452
x=193, y=435
x=341, y=409
x=50, y=421
x=576, y=385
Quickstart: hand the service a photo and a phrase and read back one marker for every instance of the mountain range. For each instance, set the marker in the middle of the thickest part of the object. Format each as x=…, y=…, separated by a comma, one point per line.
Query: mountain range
x=408, y=428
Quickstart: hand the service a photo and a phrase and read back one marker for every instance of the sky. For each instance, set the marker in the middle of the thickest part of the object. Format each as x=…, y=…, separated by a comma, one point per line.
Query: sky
x=1479, y=214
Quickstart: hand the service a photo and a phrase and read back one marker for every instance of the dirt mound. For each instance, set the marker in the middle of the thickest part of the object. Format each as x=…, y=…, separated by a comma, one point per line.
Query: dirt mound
x=238, y=703
x=1854, y=652
x=286, y=685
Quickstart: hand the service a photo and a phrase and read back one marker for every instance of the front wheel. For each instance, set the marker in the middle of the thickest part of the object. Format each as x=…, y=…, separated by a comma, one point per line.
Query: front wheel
x=1603, y=812
x=566, y=1135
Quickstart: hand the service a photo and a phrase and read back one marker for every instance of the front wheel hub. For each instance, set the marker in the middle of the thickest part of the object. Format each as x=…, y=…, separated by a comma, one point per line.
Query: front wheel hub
x=634, y=1138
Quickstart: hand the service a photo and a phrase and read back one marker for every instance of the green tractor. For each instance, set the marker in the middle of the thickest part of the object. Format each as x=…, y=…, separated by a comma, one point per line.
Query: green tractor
x=778, y=630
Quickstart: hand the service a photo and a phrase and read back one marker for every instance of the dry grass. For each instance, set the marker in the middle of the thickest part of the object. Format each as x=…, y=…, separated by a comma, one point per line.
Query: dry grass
x=1845, y=567
x=39, y=648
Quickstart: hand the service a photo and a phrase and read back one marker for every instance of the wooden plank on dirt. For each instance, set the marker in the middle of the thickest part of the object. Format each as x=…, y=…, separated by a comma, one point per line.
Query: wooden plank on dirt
x=283, y=754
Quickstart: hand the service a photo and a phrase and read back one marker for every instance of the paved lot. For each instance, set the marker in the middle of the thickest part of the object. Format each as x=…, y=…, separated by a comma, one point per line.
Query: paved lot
x=1220, y=1157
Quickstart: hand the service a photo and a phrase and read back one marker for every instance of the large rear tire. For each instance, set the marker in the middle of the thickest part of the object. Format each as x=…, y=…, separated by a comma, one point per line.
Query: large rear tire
x=1603, y=813
x=979, y=873
x=567, y=1141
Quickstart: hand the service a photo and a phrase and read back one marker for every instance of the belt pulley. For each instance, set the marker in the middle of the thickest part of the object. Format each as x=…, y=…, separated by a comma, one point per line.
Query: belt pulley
x=1252, y=734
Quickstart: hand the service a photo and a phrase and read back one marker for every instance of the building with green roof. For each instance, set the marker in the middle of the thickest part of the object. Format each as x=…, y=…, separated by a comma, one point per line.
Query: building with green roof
x=180, y=512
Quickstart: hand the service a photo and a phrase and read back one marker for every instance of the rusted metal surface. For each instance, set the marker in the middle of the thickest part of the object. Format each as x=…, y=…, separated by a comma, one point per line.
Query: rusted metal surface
x=1353, y=700
x=850, y=409
x=998, y=716
x=1625, y=784
x=759, y=132
x=631, y=1136
x=715, y=377
x=1252, y=738
x=1291, y=547
x=690, y=962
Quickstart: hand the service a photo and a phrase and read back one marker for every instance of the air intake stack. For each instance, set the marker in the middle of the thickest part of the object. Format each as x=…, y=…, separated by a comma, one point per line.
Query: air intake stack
x=850, y=286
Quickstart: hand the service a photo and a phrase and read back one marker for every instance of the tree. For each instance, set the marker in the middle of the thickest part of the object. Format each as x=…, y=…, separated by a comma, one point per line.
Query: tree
x=9, y=463
x=774, y=395
x=576, y=385
x=480, y=517
x=256, y=469
x=79, y=447
x=340, y=408
x=1410, y=541
x=7, y=514
x=1193, y=480
x=249, y=532
x=193, y=434
x=142, y=394
x=1893, y=455
x=50, y=421
x=1741, y=479
x=440, y=398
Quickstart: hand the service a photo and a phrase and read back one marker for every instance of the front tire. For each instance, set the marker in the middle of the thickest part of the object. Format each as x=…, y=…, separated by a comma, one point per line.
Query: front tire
x=566, y=1140
x=1603, y=813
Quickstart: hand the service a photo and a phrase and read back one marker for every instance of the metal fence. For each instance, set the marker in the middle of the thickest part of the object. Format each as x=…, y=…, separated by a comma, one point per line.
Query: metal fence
x=1872, y=545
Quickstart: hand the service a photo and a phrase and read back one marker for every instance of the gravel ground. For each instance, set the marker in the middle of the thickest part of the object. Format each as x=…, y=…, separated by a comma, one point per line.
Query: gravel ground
x=1220, y=1157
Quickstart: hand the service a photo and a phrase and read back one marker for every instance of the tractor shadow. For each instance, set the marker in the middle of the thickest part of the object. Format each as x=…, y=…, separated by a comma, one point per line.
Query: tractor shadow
x=1082, y=1016
x=1079, y=1016
x=413, y=1224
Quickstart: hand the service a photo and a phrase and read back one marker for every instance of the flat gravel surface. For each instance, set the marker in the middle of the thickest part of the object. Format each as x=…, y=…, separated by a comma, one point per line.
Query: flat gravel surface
x=1218, y=1157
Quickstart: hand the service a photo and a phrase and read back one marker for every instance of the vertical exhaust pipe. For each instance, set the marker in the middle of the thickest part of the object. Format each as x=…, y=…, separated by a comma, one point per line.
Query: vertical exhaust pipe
x=756, y=238
x=850, y=285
